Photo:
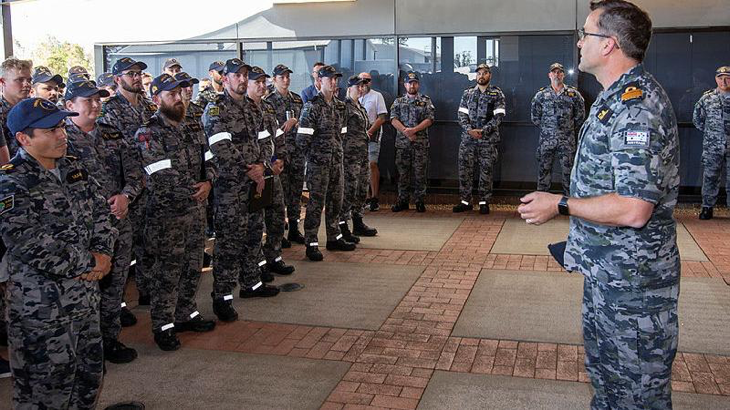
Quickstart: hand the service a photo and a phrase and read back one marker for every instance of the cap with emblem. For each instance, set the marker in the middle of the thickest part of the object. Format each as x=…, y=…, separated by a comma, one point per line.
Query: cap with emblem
x=35, y=113
x=166, y=82
x=257, y=72
x=77, y=69
x=217, y=66
x=125, y=64
x=105, y=80
x=234, y=65
x=412, y=76
x=724, y=70
x=76, y=77
x=83, y=89
x=354, y=80
x=281, y=69
x=557, y=66
x=484, y=66
x=171, y=62
x=183, y=76
x=328, y=71
x=43, y=75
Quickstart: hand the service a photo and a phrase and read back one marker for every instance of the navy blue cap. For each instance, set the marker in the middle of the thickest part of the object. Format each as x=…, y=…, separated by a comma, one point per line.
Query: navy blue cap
x=35, y=113
x=78, y=77
x=43, y=75
x=281, y=69
x=217, y=66
x=83, y=89
x=257, y=72
x=77, y=69
x=328, y=71
x=354, y=80
x=105, y=80
x=183, y=76
x=125, y=64
x=724, y=70
x=412, y=76
x=166, y=82
x=233, y=65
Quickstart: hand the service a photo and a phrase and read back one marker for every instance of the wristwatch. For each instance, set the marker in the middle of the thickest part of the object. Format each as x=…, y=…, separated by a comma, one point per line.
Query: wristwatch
x=563, y=206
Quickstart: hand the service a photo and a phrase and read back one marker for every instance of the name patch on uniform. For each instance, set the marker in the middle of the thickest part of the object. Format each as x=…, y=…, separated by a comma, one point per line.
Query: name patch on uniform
x=604, y=114
x=77, y=175
x=7, y=204
x=636, y=138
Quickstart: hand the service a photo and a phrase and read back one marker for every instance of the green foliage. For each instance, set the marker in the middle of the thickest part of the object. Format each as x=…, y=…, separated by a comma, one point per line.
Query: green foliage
x=60, y=56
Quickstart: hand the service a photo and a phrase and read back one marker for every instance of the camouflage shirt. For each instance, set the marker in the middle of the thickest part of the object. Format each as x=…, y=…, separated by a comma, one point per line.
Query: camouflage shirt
x=411, y=112
x=51, y=225
x=628, y=145
x=357, y=125
x=291, y=103
x=233, y=139
x=172, y=157
x=322, y=126
x=120, y=114
x=206, y=95
x=194, y=124
x=263, y=117
x=108, y=157
x=481, y=110
x=5, y=137
x=709, y=118
x=559, y=115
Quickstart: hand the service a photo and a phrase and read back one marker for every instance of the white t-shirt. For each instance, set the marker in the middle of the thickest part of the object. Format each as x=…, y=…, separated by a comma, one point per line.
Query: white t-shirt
x=374, y=104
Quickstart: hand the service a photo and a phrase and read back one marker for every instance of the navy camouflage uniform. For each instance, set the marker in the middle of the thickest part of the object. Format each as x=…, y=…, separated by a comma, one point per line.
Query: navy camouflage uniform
x=356, y=164
x=6, y=139
x=51, y=225
x=173, y=160
x=485, y=111
x=559, y=116
x=115, y=165
x=234, y=144
x=412, y=157
x=206, y=95
x=292, y=178
x=322, y=127
x=629, y=146
x=120, y=114
x=712, y=117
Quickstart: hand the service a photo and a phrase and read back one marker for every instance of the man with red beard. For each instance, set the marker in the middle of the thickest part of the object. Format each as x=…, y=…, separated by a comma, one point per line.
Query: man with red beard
x=171, y=154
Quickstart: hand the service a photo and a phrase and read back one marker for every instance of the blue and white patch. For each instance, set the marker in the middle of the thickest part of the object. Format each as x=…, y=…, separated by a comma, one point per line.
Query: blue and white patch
x=636, y=138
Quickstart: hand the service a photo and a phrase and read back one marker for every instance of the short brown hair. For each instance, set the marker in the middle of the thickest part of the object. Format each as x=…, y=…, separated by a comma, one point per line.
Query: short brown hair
x=630, y=24
x=12, y=63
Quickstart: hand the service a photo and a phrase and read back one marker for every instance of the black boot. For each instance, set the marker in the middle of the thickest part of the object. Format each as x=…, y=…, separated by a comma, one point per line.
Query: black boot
x=126, y=405
x=359, y=227
x=167, y=340
x=374, y=205
x=144, y=299
x=340, y=245
x=280, y=268
x=285, y=244
x=706, y=213
x=400, y=206
x=223, y=308
x=260, y=291
x=196, y=324
x=462, y=207
x=266, y=275
x=484, y=209
x=127, y=318
x=116, y=352
x=207, y=260
x=420, y=207
x=294, y=235
x=346, y=234
x=313, y=253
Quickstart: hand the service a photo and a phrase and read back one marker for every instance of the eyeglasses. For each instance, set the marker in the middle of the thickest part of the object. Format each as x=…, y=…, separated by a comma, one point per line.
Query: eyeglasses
x=133, y=74
x=366, y=80
x=582, y=34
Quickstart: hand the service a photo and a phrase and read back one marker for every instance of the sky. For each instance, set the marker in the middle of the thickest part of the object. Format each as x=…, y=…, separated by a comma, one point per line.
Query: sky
x=86, y=22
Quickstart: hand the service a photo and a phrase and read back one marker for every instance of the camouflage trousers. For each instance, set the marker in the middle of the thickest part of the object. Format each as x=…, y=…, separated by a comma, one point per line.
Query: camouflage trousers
x=357, y=182
x=412, y=165
x=112, y=285
x=274, y=221
x=231, y=226
x=57, y=365
x=325, y=192
x=546, y=153
x=629, y=352
x=175, y=248
x=469, y=153
x=137, y=217
x=292, y=181
x=250, y=276
x=712, y=175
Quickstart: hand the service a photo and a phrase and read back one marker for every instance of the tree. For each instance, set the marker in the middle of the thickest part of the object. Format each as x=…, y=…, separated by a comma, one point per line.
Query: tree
x=60, y=56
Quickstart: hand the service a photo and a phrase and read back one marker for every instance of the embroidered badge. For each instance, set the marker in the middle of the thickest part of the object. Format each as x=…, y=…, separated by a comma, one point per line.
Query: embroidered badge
x=7, y=204
x=604, y=115
x=636, y=138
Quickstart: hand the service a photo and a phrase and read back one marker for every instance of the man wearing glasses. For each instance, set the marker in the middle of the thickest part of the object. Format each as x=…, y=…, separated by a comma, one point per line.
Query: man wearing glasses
x=623, y=239
x=311, y=91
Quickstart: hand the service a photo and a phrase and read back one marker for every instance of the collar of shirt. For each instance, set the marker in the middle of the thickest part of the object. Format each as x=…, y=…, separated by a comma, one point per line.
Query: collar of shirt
x=618, y=85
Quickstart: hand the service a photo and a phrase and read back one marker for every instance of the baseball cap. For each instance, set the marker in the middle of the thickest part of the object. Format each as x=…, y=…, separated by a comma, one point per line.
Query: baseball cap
x=105, y=79
x=354, y=80
x=42, y=74
x=166, y=82
x=328, y=71
x=281, y=69
x=233, y=65
x=77, y=69
x=35, y=113
x=125, y=64
x=76, y=77
x=257, y=72
x=724, y=70
x=557, y=66
x=484, y=66
x=412, y=76
x=217, y=66
x=171, y=62
x=183, y=76
x=83, y=89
